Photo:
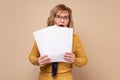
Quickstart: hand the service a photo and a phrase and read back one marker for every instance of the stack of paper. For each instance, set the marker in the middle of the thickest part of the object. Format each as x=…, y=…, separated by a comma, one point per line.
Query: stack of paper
x=54, y=41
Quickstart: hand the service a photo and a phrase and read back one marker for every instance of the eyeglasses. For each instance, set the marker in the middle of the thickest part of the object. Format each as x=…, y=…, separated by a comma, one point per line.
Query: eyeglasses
x=60, y=17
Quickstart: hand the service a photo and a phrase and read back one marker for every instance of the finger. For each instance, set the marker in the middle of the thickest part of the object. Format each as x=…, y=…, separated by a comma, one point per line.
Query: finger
x=44, y=60
x=69, y=55
x=68, y=58
x=44, y=63
x=44, y=56
x=71, y=60
x=41, y=65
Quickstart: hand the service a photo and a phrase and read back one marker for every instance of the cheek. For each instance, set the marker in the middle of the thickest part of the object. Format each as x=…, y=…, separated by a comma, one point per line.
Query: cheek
x=55, y=21
x=66, y=23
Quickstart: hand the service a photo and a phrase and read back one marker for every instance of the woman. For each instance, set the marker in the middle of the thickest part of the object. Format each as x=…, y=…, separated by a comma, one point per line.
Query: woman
x=61, y=16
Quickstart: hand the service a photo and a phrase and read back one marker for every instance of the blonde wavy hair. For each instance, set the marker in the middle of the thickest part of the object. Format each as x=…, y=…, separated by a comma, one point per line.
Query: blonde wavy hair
x=60, y=7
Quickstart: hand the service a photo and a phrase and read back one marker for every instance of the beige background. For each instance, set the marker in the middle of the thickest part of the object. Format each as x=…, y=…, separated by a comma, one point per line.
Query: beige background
x=97, y=23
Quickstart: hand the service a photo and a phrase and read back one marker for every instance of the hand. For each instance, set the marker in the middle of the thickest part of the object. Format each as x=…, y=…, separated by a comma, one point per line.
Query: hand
x=70, y=57
x=43, y=60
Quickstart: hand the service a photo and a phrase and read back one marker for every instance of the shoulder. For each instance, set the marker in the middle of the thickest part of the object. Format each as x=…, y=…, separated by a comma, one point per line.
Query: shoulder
x=75, y=36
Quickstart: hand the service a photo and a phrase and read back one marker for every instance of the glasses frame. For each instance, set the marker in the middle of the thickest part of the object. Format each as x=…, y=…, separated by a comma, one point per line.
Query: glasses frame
x=62, y=17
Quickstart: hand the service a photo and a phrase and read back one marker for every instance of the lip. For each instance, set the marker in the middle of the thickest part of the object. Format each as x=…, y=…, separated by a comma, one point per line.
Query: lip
x=61, y=25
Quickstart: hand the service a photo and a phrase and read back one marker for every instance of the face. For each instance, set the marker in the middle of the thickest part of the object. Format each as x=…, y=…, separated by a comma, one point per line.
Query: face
x=62, y=19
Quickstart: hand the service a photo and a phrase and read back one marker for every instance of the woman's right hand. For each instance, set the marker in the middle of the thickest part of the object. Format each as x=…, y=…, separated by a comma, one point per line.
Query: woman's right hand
x=43, y=60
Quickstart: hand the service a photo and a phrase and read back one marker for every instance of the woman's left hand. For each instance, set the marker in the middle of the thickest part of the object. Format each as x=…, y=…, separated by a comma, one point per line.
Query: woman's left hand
x=70, y=57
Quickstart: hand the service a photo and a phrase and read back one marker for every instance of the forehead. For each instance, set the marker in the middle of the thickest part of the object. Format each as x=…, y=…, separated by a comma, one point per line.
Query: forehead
x=62, y=13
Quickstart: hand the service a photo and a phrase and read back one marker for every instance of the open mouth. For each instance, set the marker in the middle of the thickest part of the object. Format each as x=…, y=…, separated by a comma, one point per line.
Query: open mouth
x=61, y=25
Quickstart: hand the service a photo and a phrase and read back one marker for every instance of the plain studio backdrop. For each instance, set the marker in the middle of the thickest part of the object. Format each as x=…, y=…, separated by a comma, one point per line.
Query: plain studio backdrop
x=97, y=22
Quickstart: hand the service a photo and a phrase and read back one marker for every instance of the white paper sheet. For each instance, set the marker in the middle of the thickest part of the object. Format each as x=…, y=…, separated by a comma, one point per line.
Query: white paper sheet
x=54, y=41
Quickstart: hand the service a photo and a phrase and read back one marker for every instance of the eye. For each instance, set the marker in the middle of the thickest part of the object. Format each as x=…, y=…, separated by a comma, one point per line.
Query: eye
x=66, y=17
x=58, y=16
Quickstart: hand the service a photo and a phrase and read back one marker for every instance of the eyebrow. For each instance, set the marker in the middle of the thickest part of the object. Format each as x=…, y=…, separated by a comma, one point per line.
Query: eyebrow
x=62, y=16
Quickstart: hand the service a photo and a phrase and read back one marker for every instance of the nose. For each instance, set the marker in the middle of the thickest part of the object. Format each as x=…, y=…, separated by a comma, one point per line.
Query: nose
x=62, y=20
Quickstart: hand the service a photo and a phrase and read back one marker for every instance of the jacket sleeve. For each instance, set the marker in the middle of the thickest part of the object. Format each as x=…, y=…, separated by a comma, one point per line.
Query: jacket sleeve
x=80, y=56
x=34, y=54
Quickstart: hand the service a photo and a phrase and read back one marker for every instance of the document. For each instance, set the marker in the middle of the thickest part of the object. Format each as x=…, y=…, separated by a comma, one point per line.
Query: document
x=54, y=41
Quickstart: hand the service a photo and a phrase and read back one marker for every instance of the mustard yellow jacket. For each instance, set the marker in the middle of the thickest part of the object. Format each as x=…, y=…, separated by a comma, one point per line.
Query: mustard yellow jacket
x=64, y=69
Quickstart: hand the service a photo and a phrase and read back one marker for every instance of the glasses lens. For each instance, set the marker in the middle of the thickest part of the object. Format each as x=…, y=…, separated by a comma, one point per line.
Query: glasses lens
x=60, y=17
